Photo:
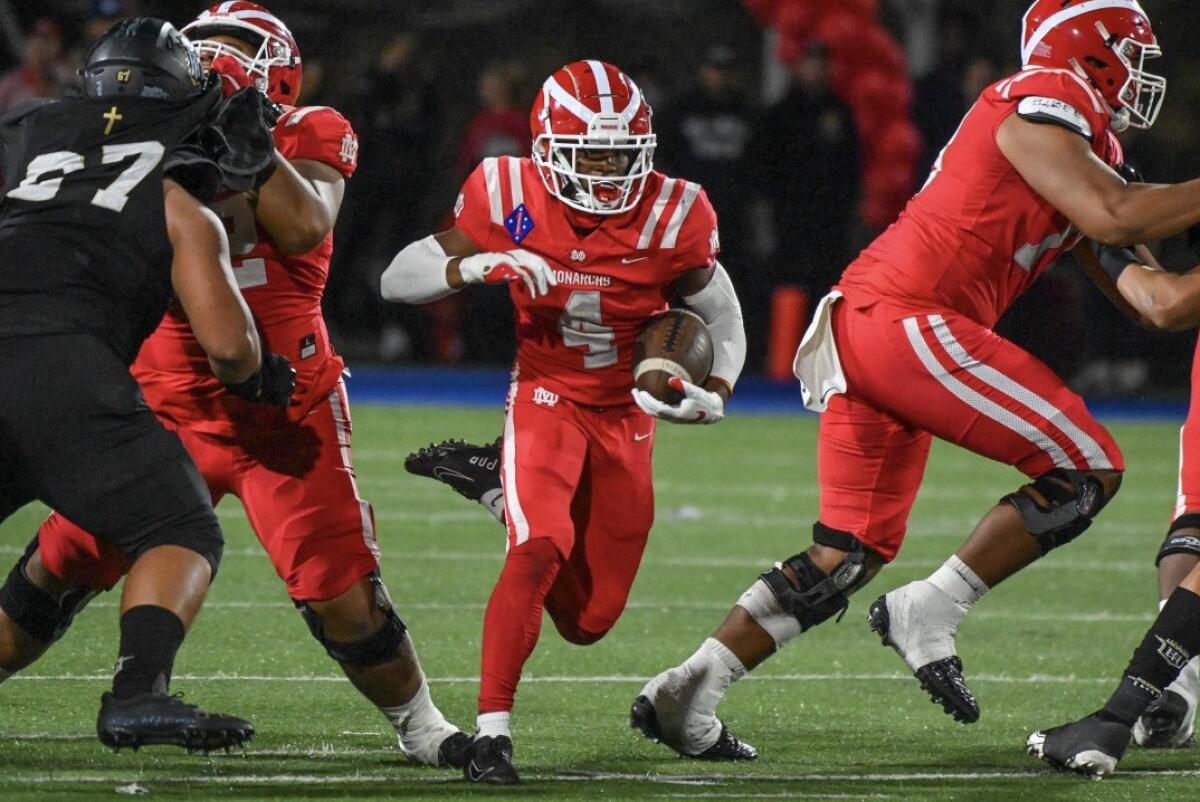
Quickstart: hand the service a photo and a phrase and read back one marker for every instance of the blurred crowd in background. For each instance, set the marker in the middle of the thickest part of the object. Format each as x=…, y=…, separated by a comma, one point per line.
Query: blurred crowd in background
x=434, y=86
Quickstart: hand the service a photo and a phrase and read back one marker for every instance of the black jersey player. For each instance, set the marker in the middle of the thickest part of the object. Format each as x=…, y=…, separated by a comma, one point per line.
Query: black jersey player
x=95, y=237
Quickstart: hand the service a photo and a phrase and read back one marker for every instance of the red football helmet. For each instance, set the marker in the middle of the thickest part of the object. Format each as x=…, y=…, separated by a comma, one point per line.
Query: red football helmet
x=275, y=66
x=1105, y=41
x=592, y=105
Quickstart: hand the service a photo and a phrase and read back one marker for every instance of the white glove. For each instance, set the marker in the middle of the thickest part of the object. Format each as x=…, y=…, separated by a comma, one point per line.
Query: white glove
x=499, y=268
x=698, y=405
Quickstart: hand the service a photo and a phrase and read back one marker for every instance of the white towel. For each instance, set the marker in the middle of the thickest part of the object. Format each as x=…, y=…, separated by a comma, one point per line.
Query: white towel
x=817, y=365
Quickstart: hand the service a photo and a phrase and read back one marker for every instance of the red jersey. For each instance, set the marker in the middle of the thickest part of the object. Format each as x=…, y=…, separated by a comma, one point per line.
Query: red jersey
x=283, y=293
x=578, y=340
x=976, y=236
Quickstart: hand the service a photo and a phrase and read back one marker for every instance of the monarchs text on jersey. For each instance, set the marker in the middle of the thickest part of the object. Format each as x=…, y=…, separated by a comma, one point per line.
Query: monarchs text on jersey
x=282, y=290
x=577, y=341
x=977, y=235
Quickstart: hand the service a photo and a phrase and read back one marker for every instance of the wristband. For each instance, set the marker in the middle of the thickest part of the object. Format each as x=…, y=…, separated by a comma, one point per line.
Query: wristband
x=1114, y=260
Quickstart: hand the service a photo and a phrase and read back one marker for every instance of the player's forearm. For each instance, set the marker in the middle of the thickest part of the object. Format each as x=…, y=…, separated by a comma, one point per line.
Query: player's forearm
x=420, y=273
x=1167, y=300
x=1144, y=212
x=292, y=211
x=717, y=305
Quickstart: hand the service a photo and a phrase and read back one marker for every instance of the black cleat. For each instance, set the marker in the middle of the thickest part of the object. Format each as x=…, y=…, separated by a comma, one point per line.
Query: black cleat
x=643, y=717
x=155, y=718
x=468, y=469
x=1091, y=746
x=1165, y=724
x=489, y=760
x=942, y=679
x=452, y=752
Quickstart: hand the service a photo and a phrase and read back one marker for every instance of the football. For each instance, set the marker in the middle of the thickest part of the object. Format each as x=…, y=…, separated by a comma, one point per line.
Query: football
x=674, y=343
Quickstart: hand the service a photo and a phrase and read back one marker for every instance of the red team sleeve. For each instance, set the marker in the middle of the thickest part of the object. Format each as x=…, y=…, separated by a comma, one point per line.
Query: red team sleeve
x=699, y=243
x=472, y=210
x=319, y=134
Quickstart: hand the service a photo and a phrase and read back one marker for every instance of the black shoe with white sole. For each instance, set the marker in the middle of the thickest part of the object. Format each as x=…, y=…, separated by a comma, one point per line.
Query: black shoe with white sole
x=1090, y=746
x=470, y=470
x=1165, y=724
x=489, y=760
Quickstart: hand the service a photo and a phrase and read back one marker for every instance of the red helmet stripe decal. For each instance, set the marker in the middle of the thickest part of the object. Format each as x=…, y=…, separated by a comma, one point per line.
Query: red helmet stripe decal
x=1059, y=17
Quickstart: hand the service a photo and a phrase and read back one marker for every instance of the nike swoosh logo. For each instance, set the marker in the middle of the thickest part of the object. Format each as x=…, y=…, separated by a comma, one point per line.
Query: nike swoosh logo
x=441, y=473
x=627, y=261
x=637, y=438
x=475, y=774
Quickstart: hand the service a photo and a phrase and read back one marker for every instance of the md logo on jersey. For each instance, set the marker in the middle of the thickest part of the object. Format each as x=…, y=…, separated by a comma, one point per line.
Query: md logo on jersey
x=519, y=223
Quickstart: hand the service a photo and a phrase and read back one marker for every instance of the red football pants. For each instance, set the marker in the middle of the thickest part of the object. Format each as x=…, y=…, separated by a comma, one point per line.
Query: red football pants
x=913, y=376
x=1188, y=495
x=297, y=484
x=579, y=503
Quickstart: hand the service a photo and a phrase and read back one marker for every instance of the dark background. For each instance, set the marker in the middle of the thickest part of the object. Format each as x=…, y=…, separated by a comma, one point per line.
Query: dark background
x=408, y=76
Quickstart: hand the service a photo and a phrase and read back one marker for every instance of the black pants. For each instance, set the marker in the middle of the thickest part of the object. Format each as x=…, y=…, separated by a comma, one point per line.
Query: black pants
x=76, y=434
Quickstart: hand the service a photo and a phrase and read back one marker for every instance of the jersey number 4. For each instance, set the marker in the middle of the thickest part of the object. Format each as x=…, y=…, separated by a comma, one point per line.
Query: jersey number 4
x=582, y=327
x=36, y=187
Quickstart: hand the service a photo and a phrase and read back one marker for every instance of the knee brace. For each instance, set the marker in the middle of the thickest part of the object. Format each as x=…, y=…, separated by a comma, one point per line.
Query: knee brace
x=1069, y=510
x=371, y=650
x=1178, y=543
x=816, y=596
x=34, y=610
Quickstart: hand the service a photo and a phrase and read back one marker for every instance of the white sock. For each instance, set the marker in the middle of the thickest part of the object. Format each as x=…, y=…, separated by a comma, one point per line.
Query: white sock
x=417, y=714
x=493, y=725
x=714, y=659
x=956, y=579
x=493, y=502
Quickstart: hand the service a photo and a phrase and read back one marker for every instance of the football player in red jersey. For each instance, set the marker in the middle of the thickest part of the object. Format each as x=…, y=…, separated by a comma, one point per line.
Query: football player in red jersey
x=591, y=242
x=290, y=468
x=902, y=351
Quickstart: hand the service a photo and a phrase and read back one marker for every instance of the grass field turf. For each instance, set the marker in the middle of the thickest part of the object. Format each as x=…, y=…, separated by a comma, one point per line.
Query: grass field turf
x=835, y=716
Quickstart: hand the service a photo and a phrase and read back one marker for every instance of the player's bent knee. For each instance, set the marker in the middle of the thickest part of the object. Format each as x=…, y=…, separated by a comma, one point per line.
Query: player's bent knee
x=1181, y=537
x=379, y=647
x=573, y=633
x=1073, y=499
x=44, y=617
x=198, y=531
x=814, y=596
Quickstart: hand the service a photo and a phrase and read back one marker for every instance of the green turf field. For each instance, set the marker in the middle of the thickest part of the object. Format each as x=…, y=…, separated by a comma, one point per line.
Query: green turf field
x=835, y=716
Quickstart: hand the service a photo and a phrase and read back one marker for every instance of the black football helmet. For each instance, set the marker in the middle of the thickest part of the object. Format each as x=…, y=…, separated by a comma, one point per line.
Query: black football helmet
x=142, y=57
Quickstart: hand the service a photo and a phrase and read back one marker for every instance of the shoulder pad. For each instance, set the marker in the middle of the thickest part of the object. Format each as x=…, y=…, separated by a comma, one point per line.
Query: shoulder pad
x=1057, y=112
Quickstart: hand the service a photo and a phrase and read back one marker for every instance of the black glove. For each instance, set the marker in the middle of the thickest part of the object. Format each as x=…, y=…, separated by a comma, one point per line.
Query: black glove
x=239, y=139
x=272, y=383
x=190, y=167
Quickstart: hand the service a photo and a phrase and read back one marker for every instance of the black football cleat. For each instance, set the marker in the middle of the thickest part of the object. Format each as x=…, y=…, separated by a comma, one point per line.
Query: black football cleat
x=942, y=679
x=452, y=752
x=489, y=760
x=643, y=717
x=470, y=470
x=1166, y=724
x=1090, y=746
x=155, y=718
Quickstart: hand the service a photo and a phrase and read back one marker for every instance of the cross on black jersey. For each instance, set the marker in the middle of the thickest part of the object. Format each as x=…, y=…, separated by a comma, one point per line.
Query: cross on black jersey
x=83, y=239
